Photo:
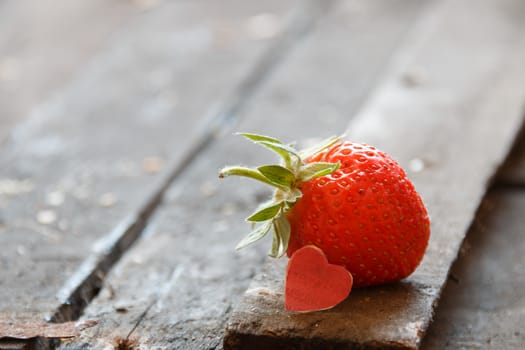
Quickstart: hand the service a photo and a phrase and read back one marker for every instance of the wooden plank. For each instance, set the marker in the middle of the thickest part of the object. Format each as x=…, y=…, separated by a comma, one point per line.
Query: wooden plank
x=176, y=287
x=310, y=103
x=44, y=43
x=79, y=179
x=482, y=303
x=482, y=306
x=451, y=131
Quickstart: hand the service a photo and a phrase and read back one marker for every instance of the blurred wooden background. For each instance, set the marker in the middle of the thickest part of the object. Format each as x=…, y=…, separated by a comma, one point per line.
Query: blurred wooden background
x=116, y=115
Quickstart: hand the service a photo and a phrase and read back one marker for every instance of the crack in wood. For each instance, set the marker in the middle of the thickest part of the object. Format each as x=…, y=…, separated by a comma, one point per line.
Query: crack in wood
x=141, y=317
x=510, y=174
x=87, y=281
x=161, y=293
x=40, y=343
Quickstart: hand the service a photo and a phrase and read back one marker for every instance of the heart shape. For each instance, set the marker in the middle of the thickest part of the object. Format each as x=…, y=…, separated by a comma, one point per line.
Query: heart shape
x=312, y=283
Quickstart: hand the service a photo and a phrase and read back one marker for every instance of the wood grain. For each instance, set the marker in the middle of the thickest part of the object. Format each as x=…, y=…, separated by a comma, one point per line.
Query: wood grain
x=80, y=177
x=482, y=303
x=44, y=44
x=177, y=286
x=456, y=122
x=482, y=306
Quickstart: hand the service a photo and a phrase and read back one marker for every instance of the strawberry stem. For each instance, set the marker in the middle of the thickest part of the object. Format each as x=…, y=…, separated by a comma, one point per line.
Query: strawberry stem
x=247, y=172
x=286, y=179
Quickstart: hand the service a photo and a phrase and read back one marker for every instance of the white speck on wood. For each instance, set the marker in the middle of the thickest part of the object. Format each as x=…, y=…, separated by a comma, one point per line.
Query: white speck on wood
x=55, y=198
x=263, y=26
x=46, y=217
x=107, y=200
x=416, y=165
x=14, y=187
x=152, y=165
x=21, y=250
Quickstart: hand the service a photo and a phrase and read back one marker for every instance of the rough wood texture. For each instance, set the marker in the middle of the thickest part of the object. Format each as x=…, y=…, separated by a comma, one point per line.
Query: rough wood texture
x=44, y=43
x=89, y=162
x=327, y=78
x=43, y=329
x=458, y=121
x=176, y=287
x=483, y=306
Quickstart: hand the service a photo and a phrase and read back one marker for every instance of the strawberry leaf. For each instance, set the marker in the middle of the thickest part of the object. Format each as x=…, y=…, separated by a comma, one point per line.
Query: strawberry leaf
x=247, y=172
x=256, y=138
x=280, y=148
x=307, y=153
x=276, y=242
x=286, y=152
x=286, y=178
x=282, y=227
x=265, y=213
x=278, y=175
x=318, y=169
x=258, y=233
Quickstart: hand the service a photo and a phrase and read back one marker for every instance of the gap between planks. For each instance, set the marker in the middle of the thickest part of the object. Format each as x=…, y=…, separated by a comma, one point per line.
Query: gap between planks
x=512, y=173
x=85, y=283
x=482, y=306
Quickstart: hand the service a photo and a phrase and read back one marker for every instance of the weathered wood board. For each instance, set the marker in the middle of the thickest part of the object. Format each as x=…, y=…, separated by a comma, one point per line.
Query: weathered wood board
x=450, y=125
x=44, y=43
x=483, y=305
x=176, y=287
x=326, y=80
x=80, y=177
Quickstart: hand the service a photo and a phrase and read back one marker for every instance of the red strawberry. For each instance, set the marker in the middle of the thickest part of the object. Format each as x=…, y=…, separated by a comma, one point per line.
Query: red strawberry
x=352, y=201
x=366, y=215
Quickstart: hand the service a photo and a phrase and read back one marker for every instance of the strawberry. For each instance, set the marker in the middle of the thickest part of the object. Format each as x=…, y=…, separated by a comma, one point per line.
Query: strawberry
x=350, y=200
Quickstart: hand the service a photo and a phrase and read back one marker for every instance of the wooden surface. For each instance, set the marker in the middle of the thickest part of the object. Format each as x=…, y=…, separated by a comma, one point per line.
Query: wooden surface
x=80, y=177
x=177, y=286
x=482, y=306
x=95, y=194
x=468, y=104
x=43, y=45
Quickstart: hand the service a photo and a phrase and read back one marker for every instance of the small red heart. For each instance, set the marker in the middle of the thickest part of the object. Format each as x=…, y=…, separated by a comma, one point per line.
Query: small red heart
x=313, y=284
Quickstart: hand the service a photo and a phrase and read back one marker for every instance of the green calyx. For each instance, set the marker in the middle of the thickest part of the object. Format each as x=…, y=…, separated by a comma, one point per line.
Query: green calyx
x=286, y=178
